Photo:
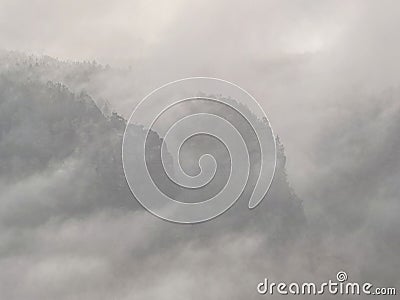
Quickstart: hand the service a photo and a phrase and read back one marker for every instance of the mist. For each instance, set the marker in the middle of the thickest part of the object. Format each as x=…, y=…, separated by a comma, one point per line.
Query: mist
x=326, y=73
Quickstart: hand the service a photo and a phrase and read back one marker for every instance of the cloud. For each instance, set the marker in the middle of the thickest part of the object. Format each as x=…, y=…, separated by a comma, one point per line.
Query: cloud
x=325, y=72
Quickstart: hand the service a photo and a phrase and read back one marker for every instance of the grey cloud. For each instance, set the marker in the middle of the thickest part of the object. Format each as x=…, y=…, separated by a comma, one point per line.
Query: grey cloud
x=325, y=72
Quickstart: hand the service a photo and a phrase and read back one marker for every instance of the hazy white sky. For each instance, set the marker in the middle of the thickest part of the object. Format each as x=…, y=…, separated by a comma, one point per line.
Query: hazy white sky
x=133, y=30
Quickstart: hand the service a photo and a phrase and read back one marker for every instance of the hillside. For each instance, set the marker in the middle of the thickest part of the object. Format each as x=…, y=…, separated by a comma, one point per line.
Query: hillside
x=61, y=166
